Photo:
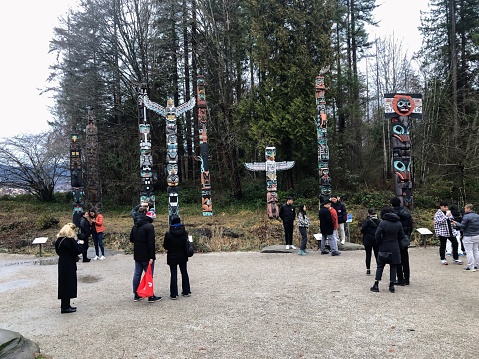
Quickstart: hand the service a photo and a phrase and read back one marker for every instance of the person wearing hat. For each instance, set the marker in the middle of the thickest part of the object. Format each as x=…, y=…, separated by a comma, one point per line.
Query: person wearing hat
x=175, y=243
x=326, y=226
x=84, y=235
x=287, y=213
x=368, y=229
x=142, y=236
x=444, y=231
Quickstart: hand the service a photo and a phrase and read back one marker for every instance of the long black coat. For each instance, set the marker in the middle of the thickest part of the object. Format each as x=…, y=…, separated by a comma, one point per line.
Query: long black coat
x=68, y=250
x=85, y=229
x=368, y=229
x=325, y=221
x=389, y=234
x=175, y=244
x=143, y=237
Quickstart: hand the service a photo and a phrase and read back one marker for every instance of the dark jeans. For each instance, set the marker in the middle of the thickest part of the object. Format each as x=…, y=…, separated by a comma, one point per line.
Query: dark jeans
x=442, y=247
x=98, y=241
x=403, y=268
x=140, y=267
x=85, y=249
x=392, y=271
x=304, y=237
x=288, y=233
x=369, y=252
x=185, y=280
x=65, y=303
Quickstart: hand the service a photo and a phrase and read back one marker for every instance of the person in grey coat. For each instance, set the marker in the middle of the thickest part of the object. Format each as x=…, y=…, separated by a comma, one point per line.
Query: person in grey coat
x=388, y=235
x=470, y=227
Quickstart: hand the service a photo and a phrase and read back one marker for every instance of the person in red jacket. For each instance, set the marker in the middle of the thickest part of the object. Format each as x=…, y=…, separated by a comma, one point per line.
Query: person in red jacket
x=97, y=229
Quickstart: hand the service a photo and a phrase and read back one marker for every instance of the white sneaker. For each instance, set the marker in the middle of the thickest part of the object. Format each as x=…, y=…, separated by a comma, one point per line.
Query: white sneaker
x=287, y=246
x=444, y=262
x=102, y=258
x=293, y=247
x=96, y=258
x=342, y=242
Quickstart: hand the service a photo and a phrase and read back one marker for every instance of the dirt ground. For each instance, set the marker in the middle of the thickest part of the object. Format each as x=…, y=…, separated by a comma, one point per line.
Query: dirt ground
x=247, y=305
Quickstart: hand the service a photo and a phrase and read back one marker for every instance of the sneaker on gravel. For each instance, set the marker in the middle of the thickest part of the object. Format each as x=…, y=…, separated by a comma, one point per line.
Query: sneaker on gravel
x=444, y=262
x=293, y=246
x=336, y=253
x=153, y=299
x=136, y=298
x=469, y=269
x=185, y=294
x=457, y=261
x=96, y=258
x=324, y=252
x=102, y=258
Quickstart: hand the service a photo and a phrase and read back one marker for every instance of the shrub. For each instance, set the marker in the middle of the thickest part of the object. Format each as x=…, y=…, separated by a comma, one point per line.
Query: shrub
x=47, y=221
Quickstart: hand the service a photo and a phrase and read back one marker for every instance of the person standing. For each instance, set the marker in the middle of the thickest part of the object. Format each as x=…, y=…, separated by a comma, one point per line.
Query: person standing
x=368, y=229
x=97, y=229
x=327, y=229
x=456, y=217
x=287, y=214
x=403, y=270
x=388, y=235
x=68, y=248
x=175, y=244
x=84, y=235
x=142, y=236
x=444, y=231
x=303, y=225
x=342, y=216
x=470, y=227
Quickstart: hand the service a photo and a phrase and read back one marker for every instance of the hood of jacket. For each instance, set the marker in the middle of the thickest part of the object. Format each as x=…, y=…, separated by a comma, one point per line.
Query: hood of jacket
x=391, y=217
x=177, y=231
x=142, y=219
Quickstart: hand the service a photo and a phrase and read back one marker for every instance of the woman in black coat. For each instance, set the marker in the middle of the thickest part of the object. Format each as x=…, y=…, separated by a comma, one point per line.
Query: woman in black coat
x=68, y=250
x=388, y=235
x=175, y=244
x=368, y=229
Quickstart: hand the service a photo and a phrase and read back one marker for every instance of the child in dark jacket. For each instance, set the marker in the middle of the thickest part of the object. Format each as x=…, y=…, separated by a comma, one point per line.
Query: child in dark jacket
x=368, y=229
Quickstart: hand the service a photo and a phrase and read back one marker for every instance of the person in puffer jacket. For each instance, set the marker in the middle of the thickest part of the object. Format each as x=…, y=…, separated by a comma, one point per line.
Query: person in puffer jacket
x=470, y=228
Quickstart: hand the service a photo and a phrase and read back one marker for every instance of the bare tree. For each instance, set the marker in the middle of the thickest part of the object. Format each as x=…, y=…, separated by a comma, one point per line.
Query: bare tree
x=33, y=163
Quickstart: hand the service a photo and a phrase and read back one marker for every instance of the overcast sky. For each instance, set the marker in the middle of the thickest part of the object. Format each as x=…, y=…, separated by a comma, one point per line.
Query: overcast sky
x=26, y=27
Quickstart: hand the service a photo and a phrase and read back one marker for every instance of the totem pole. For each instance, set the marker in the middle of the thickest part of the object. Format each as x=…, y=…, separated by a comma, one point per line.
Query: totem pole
x=93, y=187
x=203, y=158
x=76, y=176
x=171, y=112
x=146, y=158
x=322, y=135
x=399, y=108
x=270, y=166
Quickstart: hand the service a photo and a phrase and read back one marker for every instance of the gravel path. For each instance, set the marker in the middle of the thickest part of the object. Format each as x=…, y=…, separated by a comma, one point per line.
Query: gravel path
x=247, y=305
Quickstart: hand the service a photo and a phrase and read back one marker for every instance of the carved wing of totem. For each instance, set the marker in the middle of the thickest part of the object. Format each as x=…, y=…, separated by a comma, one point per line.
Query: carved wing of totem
x=282, y=166
x=185, y=106
x=160, y=110
x=256, y=166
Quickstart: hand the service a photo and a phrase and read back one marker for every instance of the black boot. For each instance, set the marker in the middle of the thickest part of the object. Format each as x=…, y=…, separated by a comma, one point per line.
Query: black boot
x=391, y=287
x=368, y=271
x=375, y=287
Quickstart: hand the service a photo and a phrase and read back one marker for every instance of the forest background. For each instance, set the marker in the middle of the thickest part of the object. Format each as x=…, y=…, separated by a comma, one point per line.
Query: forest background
x=259, y=60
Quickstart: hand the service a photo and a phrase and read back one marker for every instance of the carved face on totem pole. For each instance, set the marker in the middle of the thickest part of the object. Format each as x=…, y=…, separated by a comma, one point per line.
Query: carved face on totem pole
x=403, y=105
x=270, y=153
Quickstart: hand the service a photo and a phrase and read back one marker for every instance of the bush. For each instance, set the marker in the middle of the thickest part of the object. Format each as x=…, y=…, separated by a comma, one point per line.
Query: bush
x=47, y=221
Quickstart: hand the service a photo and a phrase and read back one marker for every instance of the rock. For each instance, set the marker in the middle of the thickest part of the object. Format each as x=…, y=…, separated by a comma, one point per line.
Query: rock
x=14, y=346
x=233, y=233
x=202, y=232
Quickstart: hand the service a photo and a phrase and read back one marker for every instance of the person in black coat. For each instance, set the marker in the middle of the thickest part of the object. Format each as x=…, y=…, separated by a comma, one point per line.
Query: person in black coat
x=326, y=226
x=403, y=270
x=68, y=249
x=388, y=235
x=142, y=236
x=84, y=235
x=287, y=213
x=175, y=244
x=368, y=229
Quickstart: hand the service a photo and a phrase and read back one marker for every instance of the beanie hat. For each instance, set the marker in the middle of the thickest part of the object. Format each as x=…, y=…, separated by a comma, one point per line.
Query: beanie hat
x=175, y=221
x=151, y=215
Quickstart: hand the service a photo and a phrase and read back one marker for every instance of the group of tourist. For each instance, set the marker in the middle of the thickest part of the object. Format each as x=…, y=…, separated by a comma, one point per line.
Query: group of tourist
x=70, y=244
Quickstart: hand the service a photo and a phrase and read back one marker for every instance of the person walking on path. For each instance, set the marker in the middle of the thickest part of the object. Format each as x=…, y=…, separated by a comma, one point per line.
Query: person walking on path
x=403, y=270
x=303, y=225
x=388, y=235
x=97, y=229
x=68, y=248
x=470, y=227
x=287, y=214
x=342, y=216
x=368, y=229
x=175, y=244
x=142, y=236
x=444, y=231
x=84, y=235
x=327, y=229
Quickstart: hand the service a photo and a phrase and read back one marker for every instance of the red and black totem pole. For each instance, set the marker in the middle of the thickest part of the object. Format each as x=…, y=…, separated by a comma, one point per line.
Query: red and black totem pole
x=203, y=158
x=146, y=157
x=322, y=136
x=76, y=176
x=93, y=185
x=400, y=109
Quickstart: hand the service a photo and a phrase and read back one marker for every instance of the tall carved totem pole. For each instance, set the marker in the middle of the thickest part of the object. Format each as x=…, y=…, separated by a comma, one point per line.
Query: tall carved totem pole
x=171, y=112
x=400, y=108
x=76, y=177
x=322, y=136
x=203, y=158
x=146, y=158
x=271, y=166
x=93, y=187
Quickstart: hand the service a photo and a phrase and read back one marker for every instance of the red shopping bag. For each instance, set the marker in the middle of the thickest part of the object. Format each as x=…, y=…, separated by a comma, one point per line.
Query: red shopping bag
x=145, y=288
